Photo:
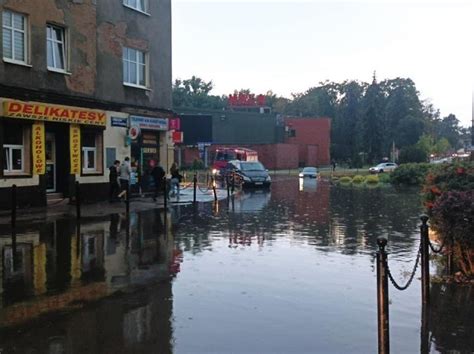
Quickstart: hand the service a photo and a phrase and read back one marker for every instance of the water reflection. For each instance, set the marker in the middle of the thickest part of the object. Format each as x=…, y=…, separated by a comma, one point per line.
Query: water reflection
x=288, y=269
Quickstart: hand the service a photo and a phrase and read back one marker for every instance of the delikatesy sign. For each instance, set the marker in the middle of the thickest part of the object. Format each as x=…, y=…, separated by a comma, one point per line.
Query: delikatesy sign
x=148, y=123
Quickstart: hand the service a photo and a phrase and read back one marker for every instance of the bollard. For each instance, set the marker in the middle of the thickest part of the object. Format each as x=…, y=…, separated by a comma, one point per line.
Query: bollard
x=14, y=203
x=78, y=200
x=227, y=185
x=213, y=181
x=127, y=201
x=425, y=260
x=449, y=256
x=165, y=193
x=195, y=188
x=425, y=331
x=207, y=179
x=382, y=298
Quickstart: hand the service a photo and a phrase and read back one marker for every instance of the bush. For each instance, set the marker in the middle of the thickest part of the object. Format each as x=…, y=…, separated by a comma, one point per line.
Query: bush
x=372, y=179
x=413, y=153
x=412, y=174
x=345, y=179
x=453, y=217
x=448, y=178
x=384, y=178
x=198, y=164
x=358, y=179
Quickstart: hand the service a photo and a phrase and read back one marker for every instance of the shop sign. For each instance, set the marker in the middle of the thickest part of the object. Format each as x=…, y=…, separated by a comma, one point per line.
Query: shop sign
x=147, y=123
x=119, y=122
x=53, y=113
x=177, y=137
x=241, y=99
x=39, y=154
x=75, y=148
x=175, y=124
x=134, y=133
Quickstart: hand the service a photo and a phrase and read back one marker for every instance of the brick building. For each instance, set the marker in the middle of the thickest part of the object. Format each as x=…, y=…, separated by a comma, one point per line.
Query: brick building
x=75, y=76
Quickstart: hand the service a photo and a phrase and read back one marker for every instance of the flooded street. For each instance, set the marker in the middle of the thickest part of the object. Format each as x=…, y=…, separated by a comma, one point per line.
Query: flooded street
x=288, y=270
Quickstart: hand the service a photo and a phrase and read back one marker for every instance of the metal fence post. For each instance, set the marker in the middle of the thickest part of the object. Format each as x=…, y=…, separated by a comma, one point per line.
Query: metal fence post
x=233, y=182
x=127, y=201
x=14, y=204
x=227, y=185
x=425, y=260
x=449, y=255
x=382, y=298
x=213, y=181
x=165, y=192
x=195, y=188
x=78, y=200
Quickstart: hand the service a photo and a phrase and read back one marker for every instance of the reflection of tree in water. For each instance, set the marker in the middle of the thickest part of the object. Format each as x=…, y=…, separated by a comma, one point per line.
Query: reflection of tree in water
x=364, y=214
x=452, y=318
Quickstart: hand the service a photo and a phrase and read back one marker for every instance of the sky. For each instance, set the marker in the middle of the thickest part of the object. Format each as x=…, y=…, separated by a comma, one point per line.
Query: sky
x=289, y=46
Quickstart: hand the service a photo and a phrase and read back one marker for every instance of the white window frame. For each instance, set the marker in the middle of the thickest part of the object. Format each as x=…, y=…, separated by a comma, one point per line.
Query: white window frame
x=54, y=43
x=8, y=154
x=85, y=159
x=138, y=7
x=138, y=65
x=14, y=30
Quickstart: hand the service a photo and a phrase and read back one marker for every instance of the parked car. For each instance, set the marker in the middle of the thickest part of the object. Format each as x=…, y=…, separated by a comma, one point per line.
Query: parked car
x=383, y=167
x=311, y=172
x=250, y=173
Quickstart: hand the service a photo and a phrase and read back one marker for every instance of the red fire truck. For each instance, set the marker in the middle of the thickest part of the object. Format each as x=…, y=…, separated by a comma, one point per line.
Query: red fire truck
x=223, y=155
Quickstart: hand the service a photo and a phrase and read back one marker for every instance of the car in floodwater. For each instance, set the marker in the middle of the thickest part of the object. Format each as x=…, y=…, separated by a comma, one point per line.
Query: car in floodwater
x=383, y=167
x=310, y=172
x=250, y=174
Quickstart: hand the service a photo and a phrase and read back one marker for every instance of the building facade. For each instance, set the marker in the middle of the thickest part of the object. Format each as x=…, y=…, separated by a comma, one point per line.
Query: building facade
x=75, y=77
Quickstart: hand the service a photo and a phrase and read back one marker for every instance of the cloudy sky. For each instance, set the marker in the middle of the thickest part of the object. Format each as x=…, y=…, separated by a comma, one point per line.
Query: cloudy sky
x=290, y=46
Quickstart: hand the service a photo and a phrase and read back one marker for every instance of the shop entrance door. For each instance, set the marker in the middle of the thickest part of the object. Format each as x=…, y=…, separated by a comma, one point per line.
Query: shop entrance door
x=50, y=163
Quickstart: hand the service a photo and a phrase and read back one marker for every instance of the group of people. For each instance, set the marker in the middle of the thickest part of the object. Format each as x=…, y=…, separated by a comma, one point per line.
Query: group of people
x=120, y=178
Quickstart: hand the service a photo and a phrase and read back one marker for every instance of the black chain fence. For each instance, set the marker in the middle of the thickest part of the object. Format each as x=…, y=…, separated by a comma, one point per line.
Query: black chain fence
x=407, y=285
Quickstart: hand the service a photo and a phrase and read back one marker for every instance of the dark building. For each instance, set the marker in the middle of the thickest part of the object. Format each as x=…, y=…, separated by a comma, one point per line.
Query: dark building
x=75, y=76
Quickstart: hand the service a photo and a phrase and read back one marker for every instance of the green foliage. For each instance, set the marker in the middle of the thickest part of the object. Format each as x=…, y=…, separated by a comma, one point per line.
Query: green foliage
x=453, y=218
x=412, y=153
x=447, y=178
x=358, y=179
x=198, y=164
x=194, y=93
x=384, y=177
x=345, y=179
x=372, y=179
x=411, y=174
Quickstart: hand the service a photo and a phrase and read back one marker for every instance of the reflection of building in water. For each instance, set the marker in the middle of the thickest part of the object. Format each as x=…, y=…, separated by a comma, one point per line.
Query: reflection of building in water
x=55, y=267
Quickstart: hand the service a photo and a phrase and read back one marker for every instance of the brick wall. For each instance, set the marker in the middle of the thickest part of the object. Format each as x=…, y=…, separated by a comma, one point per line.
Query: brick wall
x=312, y=135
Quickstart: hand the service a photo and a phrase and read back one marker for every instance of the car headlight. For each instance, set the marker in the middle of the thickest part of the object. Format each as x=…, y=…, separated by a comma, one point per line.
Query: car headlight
x=301, y=175
x=268, y=179
x=246, y=179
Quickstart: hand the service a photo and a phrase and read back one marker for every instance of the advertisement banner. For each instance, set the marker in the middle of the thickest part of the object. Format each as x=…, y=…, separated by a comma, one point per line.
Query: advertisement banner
x=177, y=137
x=38, y=147
x=53, y=113
x=75, y=148
x=148, y=123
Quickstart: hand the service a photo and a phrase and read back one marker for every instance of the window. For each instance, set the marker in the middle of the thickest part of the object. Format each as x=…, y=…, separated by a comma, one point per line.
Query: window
x=16, y=148
x=56, y=48
x=140, y=5
x=92, y=152
x=134, y=67
x=14, y=37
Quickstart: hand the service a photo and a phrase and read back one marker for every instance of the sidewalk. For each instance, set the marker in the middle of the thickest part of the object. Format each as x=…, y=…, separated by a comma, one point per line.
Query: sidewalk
x=137, y=203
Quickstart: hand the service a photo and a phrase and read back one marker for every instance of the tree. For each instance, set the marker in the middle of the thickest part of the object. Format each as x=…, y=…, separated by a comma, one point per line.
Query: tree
x=194, y=93
x=448, y=128
x=412, y=153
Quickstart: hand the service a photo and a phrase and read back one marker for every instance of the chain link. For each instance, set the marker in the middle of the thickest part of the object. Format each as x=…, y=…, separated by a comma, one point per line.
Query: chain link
x=437, y=250
x=395, y=284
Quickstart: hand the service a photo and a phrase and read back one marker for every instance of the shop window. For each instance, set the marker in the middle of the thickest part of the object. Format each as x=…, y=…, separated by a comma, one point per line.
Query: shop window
x=56, y=48
x=92, y=152
x=16, y=154
x=14, y=37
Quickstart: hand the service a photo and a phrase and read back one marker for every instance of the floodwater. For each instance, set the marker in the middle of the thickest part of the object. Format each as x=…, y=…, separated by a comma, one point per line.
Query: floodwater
x=291, y=270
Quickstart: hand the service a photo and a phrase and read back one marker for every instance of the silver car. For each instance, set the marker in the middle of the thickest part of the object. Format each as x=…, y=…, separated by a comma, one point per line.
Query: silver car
x=383, y=167
x=311, y=172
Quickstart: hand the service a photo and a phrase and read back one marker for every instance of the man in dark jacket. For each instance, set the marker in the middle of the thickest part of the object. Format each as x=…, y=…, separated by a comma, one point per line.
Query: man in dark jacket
x=158, y=173
x=113, y=181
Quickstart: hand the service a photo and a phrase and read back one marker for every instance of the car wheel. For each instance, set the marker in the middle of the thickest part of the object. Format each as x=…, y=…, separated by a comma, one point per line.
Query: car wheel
x=381, y=171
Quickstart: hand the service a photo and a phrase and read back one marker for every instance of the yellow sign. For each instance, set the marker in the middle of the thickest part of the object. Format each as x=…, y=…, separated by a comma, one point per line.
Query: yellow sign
x=75, y=148
x=53, y=113
x=39, y=156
